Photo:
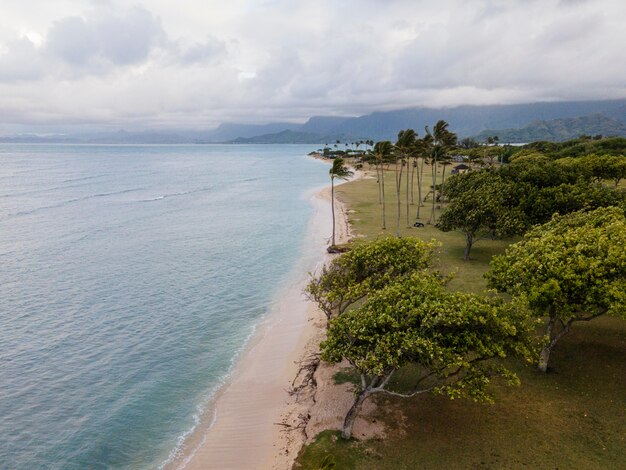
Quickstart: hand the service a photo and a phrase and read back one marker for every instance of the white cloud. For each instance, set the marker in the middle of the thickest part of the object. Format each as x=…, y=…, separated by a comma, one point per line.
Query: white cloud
x=196, y=63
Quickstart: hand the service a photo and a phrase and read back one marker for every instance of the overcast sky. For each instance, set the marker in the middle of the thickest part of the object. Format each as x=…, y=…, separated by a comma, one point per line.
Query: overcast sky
x=72, y=64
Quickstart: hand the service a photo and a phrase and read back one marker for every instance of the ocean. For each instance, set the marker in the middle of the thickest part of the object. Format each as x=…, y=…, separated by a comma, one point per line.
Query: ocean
x=131, y=278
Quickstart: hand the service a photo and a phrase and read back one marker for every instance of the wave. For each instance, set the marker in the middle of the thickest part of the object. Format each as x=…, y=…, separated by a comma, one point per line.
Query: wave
x=45, y=190
x=178, y=194
x=67, y=203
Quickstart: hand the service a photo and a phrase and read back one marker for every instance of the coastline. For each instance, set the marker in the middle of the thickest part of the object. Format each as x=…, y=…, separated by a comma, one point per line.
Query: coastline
x=255, y=421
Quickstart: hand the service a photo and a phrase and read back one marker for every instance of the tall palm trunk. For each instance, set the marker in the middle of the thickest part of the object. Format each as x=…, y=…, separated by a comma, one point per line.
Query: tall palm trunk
x=378, y=178
x=431, y=219
x=382, y=181
x=420, y=179
x=443, y=185
x=413, y=180
x=398, y=186
x=407, y=192
x=332, y=205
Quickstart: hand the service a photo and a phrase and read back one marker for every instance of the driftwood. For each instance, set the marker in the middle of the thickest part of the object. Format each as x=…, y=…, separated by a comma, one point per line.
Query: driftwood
x=305, y=378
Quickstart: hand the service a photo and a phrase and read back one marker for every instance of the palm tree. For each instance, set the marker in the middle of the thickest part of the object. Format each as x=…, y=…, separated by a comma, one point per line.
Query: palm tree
x=423, y=147
x=382, y=153
x=338, y=170
x=442, y=141
x=404, y=148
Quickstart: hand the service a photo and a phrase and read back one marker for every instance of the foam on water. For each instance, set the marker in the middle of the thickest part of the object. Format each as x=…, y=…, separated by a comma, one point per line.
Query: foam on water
x=131, y=278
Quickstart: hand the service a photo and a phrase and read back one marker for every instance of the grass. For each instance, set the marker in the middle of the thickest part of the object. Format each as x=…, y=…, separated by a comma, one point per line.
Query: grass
x=366, y=218
x=572, y=417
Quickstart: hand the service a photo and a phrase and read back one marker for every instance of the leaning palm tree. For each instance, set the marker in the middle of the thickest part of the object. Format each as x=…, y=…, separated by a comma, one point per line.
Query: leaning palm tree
x=338, y=170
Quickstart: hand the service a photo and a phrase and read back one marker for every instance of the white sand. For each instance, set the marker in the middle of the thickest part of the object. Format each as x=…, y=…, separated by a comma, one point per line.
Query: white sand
x=246, y=430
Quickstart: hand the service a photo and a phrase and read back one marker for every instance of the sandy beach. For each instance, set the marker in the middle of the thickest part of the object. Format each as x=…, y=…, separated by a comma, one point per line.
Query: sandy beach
x=256, y=422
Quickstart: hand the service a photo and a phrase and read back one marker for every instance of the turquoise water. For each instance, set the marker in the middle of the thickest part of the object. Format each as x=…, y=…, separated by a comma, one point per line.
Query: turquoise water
x=130, y=278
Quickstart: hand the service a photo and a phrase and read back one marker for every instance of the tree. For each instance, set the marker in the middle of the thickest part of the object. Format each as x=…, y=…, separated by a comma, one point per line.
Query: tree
x=423, y=151
x=540, y=204
x=571, y=269
x=452, y=338
x=382, y=154
x=338, y=170
x=367, y=267
x=482, y=206
x=404, y=148
x=442, y=140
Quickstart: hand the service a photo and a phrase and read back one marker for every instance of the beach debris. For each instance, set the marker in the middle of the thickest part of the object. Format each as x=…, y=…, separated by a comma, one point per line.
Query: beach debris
x=305, y=378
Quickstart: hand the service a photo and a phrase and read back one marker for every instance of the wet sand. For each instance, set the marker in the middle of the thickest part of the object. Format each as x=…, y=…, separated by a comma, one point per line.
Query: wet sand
x=255, y=420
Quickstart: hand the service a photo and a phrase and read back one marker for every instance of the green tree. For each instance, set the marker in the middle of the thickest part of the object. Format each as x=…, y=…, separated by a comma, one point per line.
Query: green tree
x=338, y=170
x=452, y=338
x=367, y=267
x=482, y=206
x=571, y=269
x=540, y=204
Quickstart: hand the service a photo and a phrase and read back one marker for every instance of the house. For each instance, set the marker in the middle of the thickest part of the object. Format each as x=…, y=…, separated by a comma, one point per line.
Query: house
x=462, y=168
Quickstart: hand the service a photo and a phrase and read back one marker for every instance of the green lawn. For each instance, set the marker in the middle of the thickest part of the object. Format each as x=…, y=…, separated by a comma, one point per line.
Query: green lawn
x=572, y=417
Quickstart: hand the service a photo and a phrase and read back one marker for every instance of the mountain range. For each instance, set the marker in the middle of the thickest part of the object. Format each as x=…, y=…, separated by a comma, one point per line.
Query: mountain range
x=513, y=123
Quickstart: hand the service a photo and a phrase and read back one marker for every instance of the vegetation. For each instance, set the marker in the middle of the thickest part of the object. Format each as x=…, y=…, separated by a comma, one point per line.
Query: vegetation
x=450, y=336
x=438, y=146
x=571, y=269
x=482, y=206
x=341, y=171
x=557, y=130
x=368, y=267
x=546, y=422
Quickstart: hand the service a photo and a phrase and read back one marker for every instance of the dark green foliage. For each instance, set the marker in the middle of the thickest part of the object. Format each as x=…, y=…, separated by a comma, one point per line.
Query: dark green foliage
x=482, y=205
x=539, y=205
x=539, y=171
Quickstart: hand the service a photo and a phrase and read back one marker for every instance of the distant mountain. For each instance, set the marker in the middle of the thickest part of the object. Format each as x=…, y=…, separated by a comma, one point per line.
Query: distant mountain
x=37, y=139
x=294, y=137
x=558, y=130
x=464, y=120
x=323, y=125
x=230, y=131
x=471, y=120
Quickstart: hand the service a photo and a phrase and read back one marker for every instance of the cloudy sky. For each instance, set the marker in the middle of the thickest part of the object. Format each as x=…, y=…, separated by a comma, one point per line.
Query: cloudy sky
x=78, y=64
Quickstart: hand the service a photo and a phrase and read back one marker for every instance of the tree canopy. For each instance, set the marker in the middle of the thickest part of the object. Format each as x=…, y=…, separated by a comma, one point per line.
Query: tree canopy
x=481, y=205
x=451, y=337
x=365, y=268
x=570, y=269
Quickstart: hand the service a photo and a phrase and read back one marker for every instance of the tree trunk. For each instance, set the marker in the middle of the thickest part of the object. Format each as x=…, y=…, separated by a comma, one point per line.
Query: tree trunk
x=544, y=357
x=332, y=205
x=398, y=186
x=413, y=180
x=378, y=172
x=348, y=422
x=420, y=178
x=431, y=219
x=469, y=241
x=382, y=181
x=443, y=184
x=407, y=192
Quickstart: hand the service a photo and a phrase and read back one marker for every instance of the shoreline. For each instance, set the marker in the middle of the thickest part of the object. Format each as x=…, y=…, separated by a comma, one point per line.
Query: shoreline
x=253, y=421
